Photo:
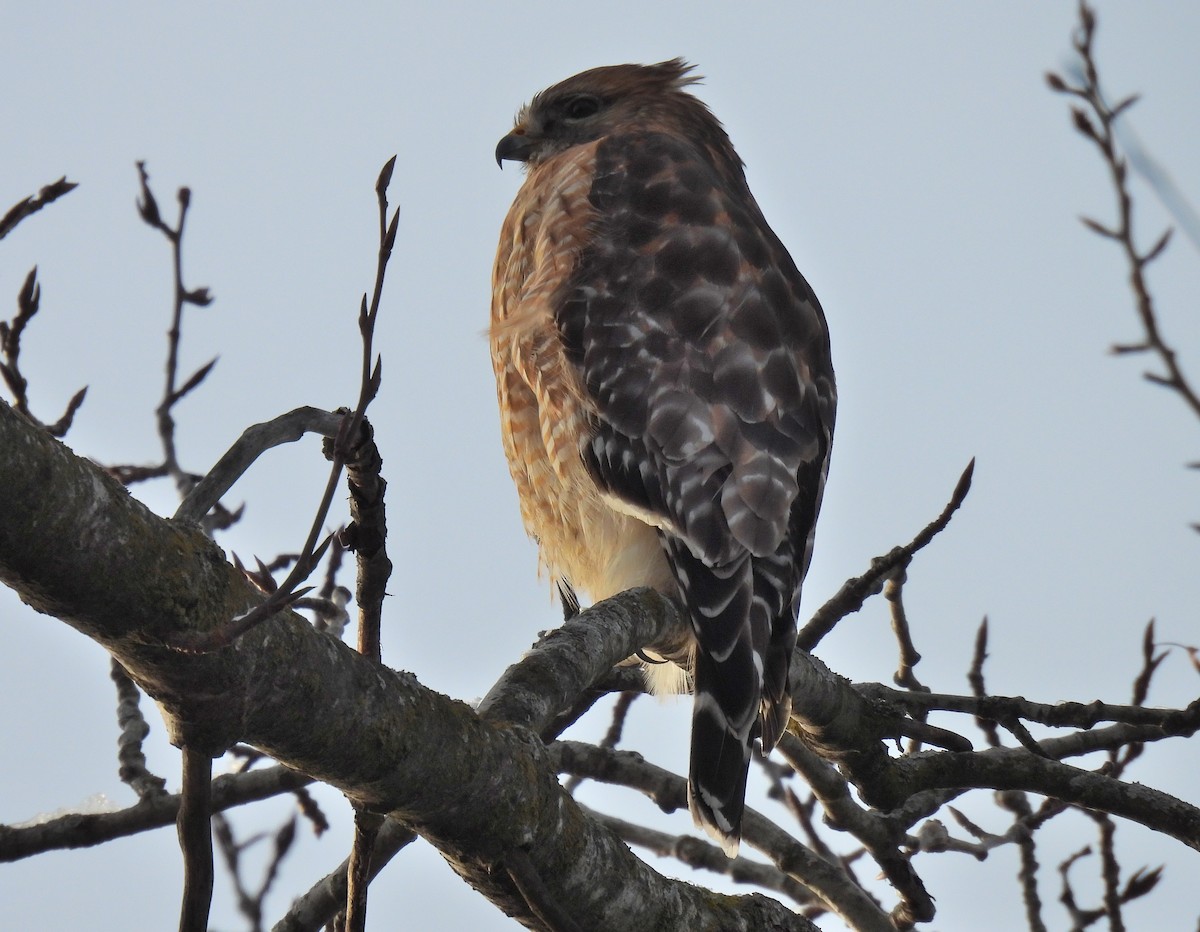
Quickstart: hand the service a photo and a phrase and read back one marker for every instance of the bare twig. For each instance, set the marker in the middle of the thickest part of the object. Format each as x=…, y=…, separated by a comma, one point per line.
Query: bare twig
x=669, y=792
x=699, y=854
x=975, y=678
x=195, y=839
x=81, y=830
x=316, y=907
x=254, y=441
x=350, y=436
x=358, y=869
x=1120, y=758
x=880, y=836
x=28, y=300
x=199, y=297
x=934, y=836
x=612, y=737
x=893, y=592
x=1138, y=885
x=134, y=729
x=856, y=591
x=252, y=901
x=1018, y=769
x=1023, y=828
x=1080, y=919
x=1096, y=121
x=1060, y=715
x=802, y=810
x=1191, y=650
x=366, y=534
x=35, y=202
x=1110, y=871
x=194, y=819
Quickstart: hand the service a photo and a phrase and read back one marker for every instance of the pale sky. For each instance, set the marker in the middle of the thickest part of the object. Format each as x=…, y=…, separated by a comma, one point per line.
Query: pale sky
x=927, y=184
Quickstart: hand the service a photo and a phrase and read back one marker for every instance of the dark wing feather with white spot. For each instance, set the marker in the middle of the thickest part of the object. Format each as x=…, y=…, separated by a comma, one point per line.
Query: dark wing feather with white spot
x=706, y=356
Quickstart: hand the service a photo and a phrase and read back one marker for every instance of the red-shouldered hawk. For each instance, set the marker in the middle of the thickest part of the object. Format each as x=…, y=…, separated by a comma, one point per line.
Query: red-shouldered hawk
x=666, y=393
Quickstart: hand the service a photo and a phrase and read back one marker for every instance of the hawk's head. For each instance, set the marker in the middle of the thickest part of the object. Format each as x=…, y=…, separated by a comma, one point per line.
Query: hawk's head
x=595, y=103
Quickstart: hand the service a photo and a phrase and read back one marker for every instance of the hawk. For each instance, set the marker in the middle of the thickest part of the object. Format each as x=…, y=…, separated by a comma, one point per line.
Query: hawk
x=666, y=394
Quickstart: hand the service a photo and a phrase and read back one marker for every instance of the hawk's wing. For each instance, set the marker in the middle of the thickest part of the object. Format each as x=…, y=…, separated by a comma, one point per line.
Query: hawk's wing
x=706, y=356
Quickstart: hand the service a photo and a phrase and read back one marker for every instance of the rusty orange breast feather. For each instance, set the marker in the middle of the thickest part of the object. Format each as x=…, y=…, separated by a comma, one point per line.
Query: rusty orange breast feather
x=584, y=537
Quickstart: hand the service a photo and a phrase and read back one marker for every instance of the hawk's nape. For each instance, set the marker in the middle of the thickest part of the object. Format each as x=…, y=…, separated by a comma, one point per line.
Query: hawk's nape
x=666, y=392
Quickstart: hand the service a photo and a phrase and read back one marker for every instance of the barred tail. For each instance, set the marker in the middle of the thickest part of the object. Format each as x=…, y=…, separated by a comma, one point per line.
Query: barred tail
x=741, y=616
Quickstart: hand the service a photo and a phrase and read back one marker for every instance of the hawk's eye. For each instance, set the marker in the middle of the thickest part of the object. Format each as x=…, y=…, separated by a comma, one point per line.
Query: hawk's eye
x=579, y=108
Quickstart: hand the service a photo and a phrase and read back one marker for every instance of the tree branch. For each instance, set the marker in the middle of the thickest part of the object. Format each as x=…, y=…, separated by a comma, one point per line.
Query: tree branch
x=475, y=790
x=82, y=830
x=35, y=202
x=856, y=591
x=1018, y=769
x=696, y=853
x=668, y=791
x=1100, y=129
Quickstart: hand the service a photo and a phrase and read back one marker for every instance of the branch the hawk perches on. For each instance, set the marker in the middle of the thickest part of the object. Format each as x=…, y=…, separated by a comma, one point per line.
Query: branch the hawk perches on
x=666, y=392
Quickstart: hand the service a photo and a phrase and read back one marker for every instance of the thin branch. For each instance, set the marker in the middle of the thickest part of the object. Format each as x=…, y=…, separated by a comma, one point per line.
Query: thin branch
x=1097, y=123
x=1110, y=871
x=856, y=591
x=1080, y=919
x=28, y=301
x=879, y=836
x=34, y=203
x=351, y=436
x=366, y=535
x=182, y=296
x=355, y=448
x=317, y=906
x=612, y=737
x=1141, y=883
x=701, y=855
x=975, y=678
x=195, y=839
x=1121, y=758
x=1024, y=825
x=83, y=830
x=1061, y=715
x=251, y=900
x=893, y=592
x=1017, y=769
x=358, y=868
x=254, y=441
x=131, y=760
x=780, y=791
x=668, y=791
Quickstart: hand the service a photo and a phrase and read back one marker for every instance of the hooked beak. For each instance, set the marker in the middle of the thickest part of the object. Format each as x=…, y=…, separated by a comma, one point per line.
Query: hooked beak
x=515, y=147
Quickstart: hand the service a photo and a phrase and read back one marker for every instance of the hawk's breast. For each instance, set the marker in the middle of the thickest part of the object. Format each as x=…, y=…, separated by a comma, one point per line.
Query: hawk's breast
x=544, y=409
